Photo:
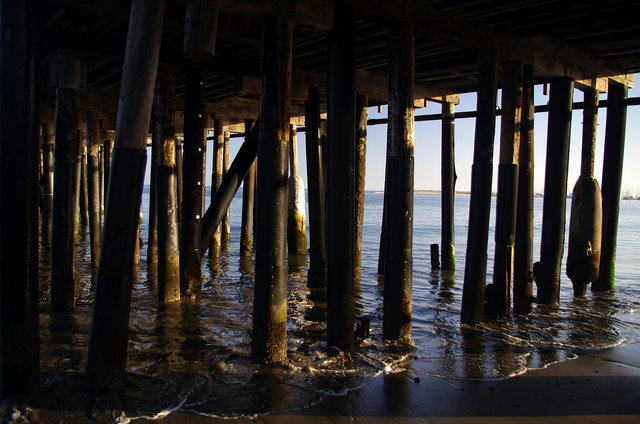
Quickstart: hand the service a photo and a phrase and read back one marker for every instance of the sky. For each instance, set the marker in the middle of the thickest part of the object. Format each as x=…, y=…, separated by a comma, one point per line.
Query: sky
x=427, y=146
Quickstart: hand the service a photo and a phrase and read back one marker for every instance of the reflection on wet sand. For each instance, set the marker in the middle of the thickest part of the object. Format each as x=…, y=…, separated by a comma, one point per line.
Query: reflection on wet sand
x=195, y=355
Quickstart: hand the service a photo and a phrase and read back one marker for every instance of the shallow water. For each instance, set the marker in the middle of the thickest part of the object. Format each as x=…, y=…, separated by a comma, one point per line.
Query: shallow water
x=196, y=355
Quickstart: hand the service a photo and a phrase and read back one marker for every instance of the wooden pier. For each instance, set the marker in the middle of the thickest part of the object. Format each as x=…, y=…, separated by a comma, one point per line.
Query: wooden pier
x=80, y=76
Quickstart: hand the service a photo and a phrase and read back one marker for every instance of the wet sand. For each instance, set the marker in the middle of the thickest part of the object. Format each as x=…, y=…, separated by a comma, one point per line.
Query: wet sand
x=596, y=387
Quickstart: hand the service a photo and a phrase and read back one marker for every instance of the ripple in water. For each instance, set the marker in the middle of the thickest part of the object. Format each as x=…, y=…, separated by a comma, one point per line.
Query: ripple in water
x=195, y=355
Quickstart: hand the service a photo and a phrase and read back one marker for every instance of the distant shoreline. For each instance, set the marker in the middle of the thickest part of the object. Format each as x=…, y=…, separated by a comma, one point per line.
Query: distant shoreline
x=433, y=192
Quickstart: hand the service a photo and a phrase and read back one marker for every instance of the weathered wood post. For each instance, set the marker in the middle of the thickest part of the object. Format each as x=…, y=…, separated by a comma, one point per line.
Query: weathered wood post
x=192, y=181
x=362, y=115
x=107, y=152
x=475, y=267
x=107, y=354
x=611, y=181
x=269, y=336
x=216, y=179
x=83, y=204
x=168, y=224
x=523, y=255
x=398, y=259
x=340, y=196
x=67, y=156
x=19, y=319
x=585, y=227
x=499, y=302
x=179, y=175
x=47, y=185
x=201, y=25
x=448, y=177
x=555, y=190
x=248, y=196
x=435, y=257
x=93, y=194
x=317, y=275
x=296, y=222
x=152, y=232
x=225, y=227
x=101, y=179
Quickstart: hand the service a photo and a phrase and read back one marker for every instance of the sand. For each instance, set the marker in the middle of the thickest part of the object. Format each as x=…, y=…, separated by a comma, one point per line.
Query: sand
x=596, y=387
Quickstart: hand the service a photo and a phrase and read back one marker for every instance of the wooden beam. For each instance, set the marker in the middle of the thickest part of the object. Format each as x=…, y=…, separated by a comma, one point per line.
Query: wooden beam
x=549, y=56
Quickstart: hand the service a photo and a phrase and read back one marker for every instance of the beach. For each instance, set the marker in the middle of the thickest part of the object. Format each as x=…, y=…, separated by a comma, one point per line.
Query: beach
x=596, y=387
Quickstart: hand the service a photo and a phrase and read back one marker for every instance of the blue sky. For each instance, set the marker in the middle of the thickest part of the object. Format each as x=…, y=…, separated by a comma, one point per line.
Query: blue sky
x=427, y=147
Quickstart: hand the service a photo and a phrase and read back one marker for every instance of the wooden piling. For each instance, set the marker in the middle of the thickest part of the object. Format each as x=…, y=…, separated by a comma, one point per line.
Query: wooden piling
x=225, y=227
x=317, y=275
x=585, y=226
x=448, y=181
x=152, y=230
x=398, y=259
x=473, y=294
x=93, y=194
x=216, y=179
x=101, y=179
x=192, y=181
x=435, y=257
x=110, y=327
x=107, y=153
x=296, y=222
x=362, y=114
x=47, y=185
x=555, y=190
x=201, y=24
x=248, y=196
x=19, y=318
x=340, y=195
x=67, y=154
x=611, y=181
x=179, y=176
x=83, y=205
x=167, y=189
x=523, y=255
x=269, y=335
x=507, y=189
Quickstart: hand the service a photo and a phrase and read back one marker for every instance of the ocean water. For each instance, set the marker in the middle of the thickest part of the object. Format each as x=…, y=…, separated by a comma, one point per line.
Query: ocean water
x=195, y=355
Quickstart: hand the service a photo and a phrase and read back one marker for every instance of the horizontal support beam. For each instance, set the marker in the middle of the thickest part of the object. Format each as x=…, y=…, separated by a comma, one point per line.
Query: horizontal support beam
x=633, y=101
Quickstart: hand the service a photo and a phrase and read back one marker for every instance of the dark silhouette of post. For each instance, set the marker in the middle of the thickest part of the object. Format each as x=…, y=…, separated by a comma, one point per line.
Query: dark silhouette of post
x=269, y=336
x=48, y=148
x=19, y=319
x=107, y=354
x=475, y=268
x=448, y=177
x=523, y=255
x=192, y=181
x=398, y=259
x=248, y=201
x=611, y=181
x=317, y=274
x=500, y=303
x=555, y=190
x=340, y=194
x=93, y=185
x=65, y=203
x=216, y=180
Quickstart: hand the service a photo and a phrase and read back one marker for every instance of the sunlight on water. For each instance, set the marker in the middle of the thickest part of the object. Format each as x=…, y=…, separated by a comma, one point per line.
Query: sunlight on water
x=196, y=355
